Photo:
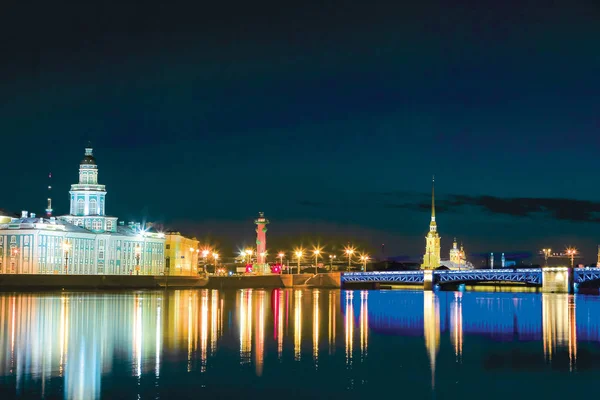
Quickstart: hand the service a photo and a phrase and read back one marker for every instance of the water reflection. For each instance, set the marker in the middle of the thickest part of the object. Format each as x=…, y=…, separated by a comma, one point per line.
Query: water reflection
x=560, y=326
x=431, y=327
x=151, y=339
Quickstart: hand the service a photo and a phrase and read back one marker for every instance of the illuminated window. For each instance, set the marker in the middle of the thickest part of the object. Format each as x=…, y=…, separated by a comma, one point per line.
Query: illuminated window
x=96, y=225
x=109, y=225
x=93, y=207
x=80, y=207
x=13, y=239
x=26, y=241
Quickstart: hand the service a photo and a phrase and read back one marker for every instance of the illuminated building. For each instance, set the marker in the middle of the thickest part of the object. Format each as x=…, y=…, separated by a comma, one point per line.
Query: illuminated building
x=85, y=242
x=458, y=258
x=431, y=258
x=181, y=254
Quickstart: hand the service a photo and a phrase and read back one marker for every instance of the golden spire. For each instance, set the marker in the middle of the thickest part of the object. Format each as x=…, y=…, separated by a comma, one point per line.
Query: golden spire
x=433, y=198
x=432, y=225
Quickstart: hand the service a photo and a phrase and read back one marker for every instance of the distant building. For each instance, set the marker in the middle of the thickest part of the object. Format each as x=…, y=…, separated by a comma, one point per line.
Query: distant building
x=431, y=258
x=181, y=254
x=84, y=242
x=458, y=258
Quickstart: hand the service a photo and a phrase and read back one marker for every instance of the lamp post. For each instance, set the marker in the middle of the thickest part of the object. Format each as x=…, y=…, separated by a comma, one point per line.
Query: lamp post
x=138, y=253
x=316, y=252
x=349, y=252
x=299, y=256
x=192, y=251
x=280, y=256
x=205, y=254
x=547, y=253
x=364, y=259
x=331, y=257
x=571, y=253
x=216, y=257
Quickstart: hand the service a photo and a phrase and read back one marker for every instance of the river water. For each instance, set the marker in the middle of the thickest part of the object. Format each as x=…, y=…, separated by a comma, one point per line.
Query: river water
x=298, y=344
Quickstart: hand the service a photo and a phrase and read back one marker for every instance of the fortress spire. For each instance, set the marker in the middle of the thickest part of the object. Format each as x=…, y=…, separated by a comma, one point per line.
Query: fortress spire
x=432, y=225
x=431, y=258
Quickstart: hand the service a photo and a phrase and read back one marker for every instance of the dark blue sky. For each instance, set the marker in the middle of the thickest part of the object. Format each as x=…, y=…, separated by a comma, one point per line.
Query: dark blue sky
x=328, y=116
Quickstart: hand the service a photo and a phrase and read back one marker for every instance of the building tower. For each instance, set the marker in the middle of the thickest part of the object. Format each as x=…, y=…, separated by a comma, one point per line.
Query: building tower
x=503, y=261
x=49, y=207
x=431, y=258
x=491, y=260
x=261, y=239
x=88, y=198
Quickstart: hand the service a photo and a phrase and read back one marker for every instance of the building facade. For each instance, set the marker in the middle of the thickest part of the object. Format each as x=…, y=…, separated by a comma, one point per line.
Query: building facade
x=85, y=242
x=181, y=254
x=431, y=258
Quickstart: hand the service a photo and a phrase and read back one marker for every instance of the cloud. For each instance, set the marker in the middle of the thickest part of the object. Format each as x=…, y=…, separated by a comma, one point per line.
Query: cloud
x=561, y=209
x=558, y=208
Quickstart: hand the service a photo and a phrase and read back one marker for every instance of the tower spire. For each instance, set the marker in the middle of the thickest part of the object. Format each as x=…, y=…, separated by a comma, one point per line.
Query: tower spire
x=49, y=208
x=433, y=199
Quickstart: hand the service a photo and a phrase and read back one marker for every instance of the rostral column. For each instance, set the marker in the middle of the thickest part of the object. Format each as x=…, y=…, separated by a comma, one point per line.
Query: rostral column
x=261, y=239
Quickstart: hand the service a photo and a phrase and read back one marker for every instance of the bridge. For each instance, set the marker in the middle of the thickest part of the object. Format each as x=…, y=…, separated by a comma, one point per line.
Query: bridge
x=551, y=279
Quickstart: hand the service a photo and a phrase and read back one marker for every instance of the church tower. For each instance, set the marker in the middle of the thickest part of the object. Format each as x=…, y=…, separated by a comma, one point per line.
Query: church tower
x=431, y=258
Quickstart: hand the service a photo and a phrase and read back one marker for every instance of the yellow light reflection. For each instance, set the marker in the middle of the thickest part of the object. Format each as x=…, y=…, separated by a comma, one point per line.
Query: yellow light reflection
x=349, y=325
x=137, y=336
x=214, y=318
x=203, y=329
x=364, y=323
x=456, y=327
x=332, y=321
x=245, y=323
x=431, y=328
x=297, y=324
x=559, y=326
x=316, y=321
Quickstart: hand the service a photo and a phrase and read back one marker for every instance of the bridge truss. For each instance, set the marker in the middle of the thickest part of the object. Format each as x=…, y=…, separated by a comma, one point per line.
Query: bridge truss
x=581, y=275
x=530, y=276
x=378, y=276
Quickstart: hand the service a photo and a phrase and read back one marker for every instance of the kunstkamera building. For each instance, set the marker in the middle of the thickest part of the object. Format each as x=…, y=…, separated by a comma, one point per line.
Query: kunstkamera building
x=85, y=242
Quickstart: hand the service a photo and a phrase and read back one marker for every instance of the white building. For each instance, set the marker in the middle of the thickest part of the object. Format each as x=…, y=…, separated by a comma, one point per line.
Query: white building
x=84, y=242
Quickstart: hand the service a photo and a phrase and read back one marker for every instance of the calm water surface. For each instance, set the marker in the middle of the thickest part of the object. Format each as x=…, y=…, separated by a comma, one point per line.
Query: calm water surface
x=298, y=344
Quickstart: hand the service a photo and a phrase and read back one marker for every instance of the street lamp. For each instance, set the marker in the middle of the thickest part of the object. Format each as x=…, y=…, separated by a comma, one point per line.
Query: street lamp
x=331, y=257
x=205, y=254
x=349, y=251
x=364, y=259
x=138, y=253
x=571, y=253
x=547, y=253
x=281, y=255
x=299, y=254
x=66, y=247
x=249, y=255
x=216, y=257
x=317, y=252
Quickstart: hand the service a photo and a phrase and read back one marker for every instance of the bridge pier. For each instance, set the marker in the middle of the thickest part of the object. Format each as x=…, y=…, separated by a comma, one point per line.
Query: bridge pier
x=428, y=282
x=557, y=280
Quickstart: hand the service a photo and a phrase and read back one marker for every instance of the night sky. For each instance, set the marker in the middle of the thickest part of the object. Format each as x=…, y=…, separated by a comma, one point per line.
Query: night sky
x=329, y=116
